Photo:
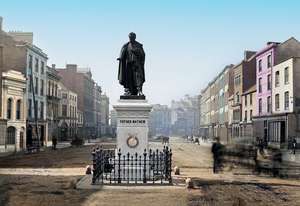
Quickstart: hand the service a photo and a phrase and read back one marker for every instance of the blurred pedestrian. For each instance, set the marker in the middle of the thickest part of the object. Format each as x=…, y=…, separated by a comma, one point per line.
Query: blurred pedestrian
x=294, y=146
x=54, y=142
x=216, y=150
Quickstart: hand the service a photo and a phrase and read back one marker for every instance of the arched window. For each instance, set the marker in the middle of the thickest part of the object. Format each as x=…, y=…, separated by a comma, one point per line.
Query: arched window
x=277, y=79
x=11, y=135
x=9, y=108
x=18, y=110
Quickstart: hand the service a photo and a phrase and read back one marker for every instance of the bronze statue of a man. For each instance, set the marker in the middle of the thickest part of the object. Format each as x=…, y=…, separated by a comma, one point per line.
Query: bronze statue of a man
x=131, y=67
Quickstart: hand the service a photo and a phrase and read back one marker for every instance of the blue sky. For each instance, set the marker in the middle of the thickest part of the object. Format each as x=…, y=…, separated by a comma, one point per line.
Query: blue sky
x=187, y=42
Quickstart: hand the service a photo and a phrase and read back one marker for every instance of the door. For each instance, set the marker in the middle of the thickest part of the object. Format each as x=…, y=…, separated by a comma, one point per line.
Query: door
x=21, y=140
x=282, y=132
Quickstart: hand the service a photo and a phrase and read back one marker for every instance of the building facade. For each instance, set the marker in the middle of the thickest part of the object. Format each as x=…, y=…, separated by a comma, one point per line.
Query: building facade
x=31, y=61
x=53, y=102
x=244, y=77
x=104, y=109
x=13, y=111
x=160, y=120
x=81, y=82
x=267, y=125
x=68, y=113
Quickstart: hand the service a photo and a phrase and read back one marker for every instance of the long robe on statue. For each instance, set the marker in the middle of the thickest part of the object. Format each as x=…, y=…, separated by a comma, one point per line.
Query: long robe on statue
x=131, y=66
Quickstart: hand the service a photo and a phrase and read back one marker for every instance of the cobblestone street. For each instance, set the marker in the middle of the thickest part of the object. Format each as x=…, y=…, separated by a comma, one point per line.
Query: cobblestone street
x=235, y=187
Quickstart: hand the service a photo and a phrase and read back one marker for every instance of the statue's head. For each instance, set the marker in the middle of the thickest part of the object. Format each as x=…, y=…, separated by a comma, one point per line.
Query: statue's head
x=132, y=36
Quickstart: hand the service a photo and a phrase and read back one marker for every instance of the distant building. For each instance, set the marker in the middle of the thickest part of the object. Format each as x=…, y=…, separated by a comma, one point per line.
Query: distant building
x=160, y=120
x=81, y=82
x=98, y=92
x=185, y=117
x=53, y=102
x=104, y=114
x=113, y=122
x=68, y=113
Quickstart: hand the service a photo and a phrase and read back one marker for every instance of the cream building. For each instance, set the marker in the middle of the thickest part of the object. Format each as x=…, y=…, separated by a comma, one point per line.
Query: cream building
x=248, y=111
x=284, y=123
x=68, y=113
x=13, y=98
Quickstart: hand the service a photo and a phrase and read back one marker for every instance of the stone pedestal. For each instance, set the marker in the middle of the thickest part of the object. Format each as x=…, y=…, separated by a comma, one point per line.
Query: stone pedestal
x=132, y=125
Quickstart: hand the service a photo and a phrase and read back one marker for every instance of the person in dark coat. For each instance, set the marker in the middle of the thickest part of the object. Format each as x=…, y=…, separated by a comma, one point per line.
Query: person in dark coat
x=54, y=142
x=294, y=145
x=216, y=150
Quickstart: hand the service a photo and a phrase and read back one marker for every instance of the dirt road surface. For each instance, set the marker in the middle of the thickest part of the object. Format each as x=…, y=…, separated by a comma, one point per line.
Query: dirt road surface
x=236, y=187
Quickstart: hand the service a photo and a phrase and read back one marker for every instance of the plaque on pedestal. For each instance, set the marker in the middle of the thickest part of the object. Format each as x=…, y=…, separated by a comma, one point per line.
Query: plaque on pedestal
x=132, y=125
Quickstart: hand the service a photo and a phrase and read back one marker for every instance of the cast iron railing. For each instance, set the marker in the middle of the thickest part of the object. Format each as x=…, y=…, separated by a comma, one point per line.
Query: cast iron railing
x=113, y=167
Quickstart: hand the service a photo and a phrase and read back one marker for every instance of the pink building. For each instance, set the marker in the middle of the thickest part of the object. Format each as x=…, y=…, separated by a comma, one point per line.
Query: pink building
x=264, y=64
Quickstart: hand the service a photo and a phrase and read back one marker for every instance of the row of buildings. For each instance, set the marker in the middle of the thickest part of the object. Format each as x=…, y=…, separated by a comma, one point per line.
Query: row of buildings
x=181, y=118
x=39, y=102
x=257, y=97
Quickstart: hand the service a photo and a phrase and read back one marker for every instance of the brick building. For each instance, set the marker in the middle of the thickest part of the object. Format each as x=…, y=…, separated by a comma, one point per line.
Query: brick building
x=81, y=82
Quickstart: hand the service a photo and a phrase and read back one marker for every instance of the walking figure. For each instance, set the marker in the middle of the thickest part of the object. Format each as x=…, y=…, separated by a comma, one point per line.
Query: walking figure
x=216, y=150
x=294, y=145
x=54, y=142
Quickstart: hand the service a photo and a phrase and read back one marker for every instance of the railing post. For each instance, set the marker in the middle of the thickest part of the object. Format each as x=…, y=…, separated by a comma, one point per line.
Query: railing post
x=144, y=169
x=119, y=166
x=128, y=163
x=170, y=166
x=94, y=166
x=136, y=162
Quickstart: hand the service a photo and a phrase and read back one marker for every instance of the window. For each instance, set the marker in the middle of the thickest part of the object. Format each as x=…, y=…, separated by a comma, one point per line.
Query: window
x=286, y=100
x=277, y=102
x=269, y=104
x=42, y=67
x=30, y=62
x=42, y=87
x=245, y=118
x=251, y=99
x=64, y=96
x=259, y=85
x=246, y=100
x=11, y=135
x=237, y=80
x=250, y=114
x=30, y=83
x=9, y=107
x=36, y=65
x=277, y=79
x=55, y=93
x=259, y=106
x=49, y=85
x=42, y=110
x=30, y=108
x=52, y=89
x=36, y=85
x=64, y=110
x=269, y=61
x=259, y=65
x=237, y=97
x=286, y=75
x=269, y=82
x=18, y=110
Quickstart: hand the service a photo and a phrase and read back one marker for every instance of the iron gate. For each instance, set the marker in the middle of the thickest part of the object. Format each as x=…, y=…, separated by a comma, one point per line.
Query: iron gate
x=113, y=167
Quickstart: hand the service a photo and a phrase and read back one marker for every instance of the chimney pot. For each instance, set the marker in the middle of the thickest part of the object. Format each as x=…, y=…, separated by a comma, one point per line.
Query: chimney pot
x=53, y=66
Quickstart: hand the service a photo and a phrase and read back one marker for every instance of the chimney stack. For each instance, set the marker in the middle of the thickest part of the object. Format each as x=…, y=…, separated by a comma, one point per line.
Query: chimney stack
x=1, y=20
